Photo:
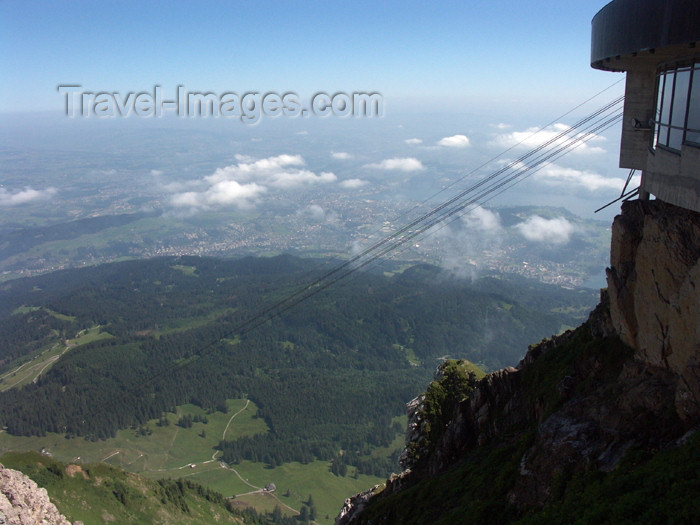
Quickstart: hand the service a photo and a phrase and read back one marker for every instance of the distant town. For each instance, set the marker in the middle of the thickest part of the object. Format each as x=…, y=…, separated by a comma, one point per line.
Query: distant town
x=332, y=225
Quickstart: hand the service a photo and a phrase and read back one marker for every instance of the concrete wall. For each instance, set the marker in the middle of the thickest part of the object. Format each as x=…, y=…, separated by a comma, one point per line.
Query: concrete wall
x=639, y=104
x=674, y=178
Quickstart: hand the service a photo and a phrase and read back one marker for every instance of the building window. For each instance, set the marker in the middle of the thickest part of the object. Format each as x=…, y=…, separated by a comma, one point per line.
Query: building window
x=677, y=114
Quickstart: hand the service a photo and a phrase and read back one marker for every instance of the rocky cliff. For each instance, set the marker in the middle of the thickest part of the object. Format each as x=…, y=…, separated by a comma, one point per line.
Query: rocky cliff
x=22, y=502
x=654, y=284
x=581, y=411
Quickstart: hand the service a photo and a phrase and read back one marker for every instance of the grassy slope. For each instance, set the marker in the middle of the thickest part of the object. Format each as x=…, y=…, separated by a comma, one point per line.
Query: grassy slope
x=170, y=450
x=98, y=493
x=295, y=482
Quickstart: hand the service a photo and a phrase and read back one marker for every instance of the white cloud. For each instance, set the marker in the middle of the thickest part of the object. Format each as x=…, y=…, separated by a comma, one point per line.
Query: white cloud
x=455, y=141
x=534, y=137
x=223, y=193
x=244, y=183
x=156, y=173
x=554, y=174
x=341, y=155
x=282, y=171
x=401, y=164
x=178, y=186
x=314, y=212
x=482, y=220
x=351, y=184
x=501, y=125
x=539, y=229
x=187, y=199
x=463, y=242
x=290, y=179
x=413, y=141
x=9, y=199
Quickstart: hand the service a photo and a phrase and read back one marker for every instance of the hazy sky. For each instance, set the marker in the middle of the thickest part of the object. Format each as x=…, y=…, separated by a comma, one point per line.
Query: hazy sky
x=461, y=55
x=461, y=82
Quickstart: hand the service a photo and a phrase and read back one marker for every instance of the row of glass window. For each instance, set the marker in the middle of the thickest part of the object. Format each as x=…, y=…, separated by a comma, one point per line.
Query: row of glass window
x=677, y=116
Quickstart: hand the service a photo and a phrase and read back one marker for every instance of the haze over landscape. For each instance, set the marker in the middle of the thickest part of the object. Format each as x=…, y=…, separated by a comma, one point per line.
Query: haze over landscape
x=460, y=84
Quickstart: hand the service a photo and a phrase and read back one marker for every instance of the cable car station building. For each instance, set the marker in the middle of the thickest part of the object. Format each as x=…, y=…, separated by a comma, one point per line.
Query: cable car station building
x=657, y=42
x=654, y=274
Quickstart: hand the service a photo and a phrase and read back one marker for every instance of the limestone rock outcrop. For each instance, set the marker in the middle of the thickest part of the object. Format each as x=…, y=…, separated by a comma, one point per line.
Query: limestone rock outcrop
x=654, y=286
x=354, y=506
x=22, y=502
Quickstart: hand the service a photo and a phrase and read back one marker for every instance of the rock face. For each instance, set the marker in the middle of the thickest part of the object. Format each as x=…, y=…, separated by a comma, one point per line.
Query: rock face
x=22, y=502
x=354, y=506
x=414, y=428
x=491, y=408
x=654, y=286
x=606, y=403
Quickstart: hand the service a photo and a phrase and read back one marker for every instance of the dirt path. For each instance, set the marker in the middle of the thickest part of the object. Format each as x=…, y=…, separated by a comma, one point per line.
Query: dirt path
x=109, y=456
x=223, y=435
x=49, y=362
x=37, y=363
x=172, y=442
x=15, y=370
x=247, y=402
x=295, y=511
x=213, y=456
x=257, y=489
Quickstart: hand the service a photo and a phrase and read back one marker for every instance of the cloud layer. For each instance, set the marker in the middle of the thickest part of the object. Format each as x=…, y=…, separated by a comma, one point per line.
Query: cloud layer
x=400, y=164
x=352, y=184
x=27, y=195
x=554, y=174
x=482, y=220
x=465, y=240
x=341, y=155
x=552, y=231
x=244, y=183
x=455, y=141
x=533, y=137
x=222, y=193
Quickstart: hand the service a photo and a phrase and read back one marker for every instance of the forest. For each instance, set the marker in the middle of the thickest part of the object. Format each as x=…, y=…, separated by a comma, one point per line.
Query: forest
x=328, y=376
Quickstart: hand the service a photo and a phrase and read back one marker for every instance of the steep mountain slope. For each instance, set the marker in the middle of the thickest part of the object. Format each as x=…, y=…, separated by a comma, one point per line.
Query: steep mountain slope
x=597, y=425
x=578, y=420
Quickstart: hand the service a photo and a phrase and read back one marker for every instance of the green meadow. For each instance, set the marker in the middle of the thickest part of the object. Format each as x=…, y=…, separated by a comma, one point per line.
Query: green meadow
x=158, y=450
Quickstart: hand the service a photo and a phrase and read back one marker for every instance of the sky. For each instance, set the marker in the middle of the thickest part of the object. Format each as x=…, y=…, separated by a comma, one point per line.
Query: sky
x=420, y=55
x=460, y=82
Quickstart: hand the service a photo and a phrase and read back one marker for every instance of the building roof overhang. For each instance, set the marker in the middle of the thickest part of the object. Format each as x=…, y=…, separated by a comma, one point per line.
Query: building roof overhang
x=632, y=34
